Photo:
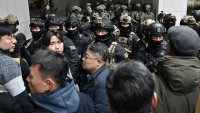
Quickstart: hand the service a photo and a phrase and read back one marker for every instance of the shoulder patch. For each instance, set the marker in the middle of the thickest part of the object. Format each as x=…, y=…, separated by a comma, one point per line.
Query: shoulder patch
x=72, y=47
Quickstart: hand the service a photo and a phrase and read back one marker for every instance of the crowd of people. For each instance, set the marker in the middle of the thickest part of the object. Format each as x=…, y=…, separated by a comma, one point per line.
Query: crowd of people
x=103, y=58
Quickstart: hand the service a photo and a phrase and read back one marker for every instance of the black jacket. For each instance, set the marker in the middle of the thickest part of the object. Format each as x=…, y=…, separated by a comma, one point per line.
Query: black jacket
x=149, y=56
x=81, y=42
x=8, y=104
x=71, y=54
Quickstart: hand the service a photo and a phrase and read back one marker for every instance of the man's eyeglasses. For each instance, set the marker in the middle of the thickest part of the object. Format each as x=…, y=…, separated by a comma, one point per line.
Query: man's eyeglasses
x=85, y=56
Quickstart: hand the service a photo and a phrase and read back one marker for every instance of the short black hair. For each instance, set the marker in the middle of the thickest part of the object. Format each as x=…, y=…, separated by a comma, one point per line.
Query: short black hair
x=130, y=87
x=5, y=31
x=99, y=49
x=51, y=64
x=48, y=35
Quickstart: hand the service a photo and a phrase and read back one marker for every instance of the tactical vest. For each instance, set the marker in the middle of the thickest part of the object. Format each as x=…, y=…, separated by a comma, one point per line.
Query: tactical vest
x=127, y=42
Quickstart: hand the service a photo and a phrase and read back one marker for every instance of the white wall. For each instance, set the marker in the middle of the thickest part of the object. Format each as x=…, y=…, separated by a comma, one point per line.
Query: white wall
x=20, y=9
x=176, y=7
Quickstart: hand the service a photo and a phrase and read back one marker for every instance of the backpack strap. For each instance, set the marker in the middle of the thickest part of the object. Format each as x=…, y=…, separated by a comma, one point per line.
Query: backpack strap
x=111, y=61
x=112, y=47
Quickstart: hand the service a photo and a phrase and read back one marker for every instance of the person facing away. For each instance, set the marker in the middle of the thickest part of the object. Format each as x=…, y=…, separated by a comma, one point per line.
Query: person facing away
x=178, y=73
x=130, y=88
x=51, y=90
x=94, y=63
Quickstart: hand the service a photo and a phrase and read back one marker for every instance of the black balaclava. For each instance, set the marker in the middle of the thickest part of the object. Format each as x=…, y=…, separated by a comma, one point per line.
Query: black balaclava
x=106, y=39
x=154, y=44
x=73, y=32
x=168, y=25
x=37, y=35
x=125, y=31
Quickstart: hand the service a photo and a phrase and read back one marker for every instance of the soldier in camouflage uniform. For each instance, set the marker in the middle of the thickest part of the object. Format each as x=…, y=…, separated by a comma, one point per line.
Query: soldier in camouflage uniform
x=136, y=16
x=144, y=26
x=85, y=27
x=127, y=37
x=87, y=13
x=196, y=14
x=103, y=29
x=117, y=12
x=189, y=21
x=111, y=11
x=125, y=9
x=147, y=14
x=101, y=9
x=76, y=11
x=169, y=21
x=156, y=46
x=142, y=43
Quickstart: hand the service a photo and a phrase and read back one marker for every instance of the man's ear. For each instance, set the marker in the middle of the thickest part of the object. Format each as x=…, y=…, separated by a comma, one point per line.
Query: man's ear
x=99, y=61
x=50, y=84
x=154, y=100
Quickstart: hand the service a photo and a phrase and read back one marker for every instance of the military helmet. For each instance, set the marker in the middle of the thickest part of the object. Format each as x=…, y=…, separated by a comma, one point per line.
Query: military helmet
x=125, y=19
x=88, y=11
x=76, y=9
x=146, y=23
x=169, y=17
x=147, y=6
x=161, y=15
x=101, y=7
x=124, y=7
x=11, y=19
x=196, y=14
x=37, y=22
x=188, y=20
x=103, y=23
x=95, y=15
x=72, y=20
x=88, y=4
x=155, y=29
x=54, y=21
x=138, y=5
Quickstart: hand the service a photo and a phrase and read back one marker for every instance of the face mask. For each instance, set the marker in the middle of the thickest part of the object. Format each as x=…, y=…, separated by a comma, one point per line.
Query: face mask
x=125, y=31
x=154, y=44
x=72, y=32
x=79, y=16
x=36, y=35
x=103, y=38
